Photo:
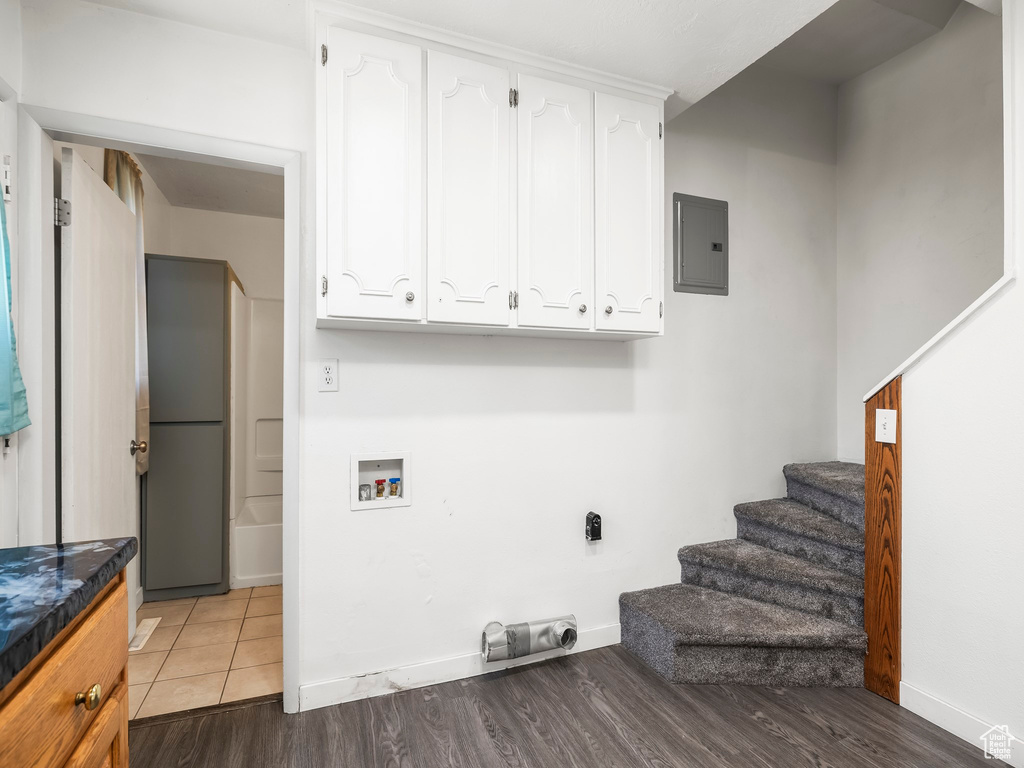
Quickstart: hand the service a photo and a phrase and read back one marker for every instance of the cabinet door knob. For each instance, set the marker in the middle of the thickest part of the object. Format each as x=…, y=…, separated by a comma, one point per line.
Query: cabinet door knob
x=583, y=309
x=410, y=296
x=608, y=310
x=90, y=698
x=140, y=447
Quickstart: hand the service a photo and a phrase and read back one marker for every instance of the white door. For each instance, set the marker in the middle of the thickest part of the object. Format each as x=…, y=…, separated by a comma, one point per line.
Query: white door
x=628, y=177
x=555, y=183
x=97, y=358
x=374, y=178
x=468, y=158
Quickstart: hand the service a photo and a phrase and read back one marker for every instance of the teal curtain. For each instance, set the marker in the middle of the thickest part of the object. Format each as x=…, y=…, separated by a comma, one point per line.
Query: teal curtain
x=13, y=403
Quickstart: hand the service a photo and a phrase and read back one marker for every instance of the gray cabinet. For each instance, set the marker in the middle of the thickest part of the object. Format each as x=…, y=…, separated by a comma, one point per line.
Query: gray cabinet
x=185, y=500
x=700, y=245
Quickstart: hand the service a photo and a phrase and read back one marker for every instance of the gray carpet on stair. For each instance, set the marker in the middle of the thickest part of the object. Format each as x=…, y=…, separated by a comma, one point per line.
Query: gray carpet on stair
x=759, y=573
x=788, y=526
x=695, y=635
x=783, y=604
x=833, y=487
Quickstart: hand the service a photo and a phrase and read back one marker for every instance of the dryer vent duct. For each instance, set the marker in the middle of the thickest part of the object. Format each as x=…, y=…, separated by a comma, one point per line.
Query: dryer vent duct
x=513, y=641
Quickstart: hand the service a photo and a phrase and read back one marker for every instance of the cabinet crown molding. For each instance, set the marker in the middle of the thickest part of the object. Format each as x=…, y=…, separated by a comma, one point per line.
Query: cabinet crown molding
x=335, y=13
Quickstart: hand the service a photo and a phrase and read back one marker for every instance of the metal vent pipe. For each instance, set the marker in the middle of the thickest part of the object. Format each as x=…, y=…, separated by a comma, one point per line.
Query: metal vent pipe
x=512, y=641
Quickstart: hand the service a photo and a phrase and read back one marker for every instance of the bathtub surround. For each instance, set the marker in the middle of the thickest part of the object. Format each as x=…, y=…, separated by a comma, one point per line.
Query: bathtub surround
x=256, y=431
x=256, y=543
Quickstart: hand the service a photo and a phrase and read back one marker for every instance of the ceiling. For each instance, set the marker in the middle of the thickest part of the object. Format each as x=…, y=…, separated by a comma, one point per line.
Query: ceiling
x=208, y=187
x=691, y=46
x=854, y=36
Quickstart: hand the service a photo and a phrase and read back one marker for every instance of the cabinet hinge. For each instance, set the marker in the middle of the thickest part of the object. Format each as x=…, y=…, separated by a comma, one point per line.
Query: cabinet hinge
x=659, y=130
x=323, y=55
x=513, y=97
x=661, y=309
x=323, y=285
x=61, y=212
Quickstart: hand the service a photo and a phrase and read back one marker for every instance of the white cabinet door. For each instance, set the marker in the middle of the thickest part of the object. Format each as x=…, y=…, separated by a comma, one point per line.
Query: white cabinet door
x=468, y=126
x=374, y=178
x=628, y=178
x=556, y=193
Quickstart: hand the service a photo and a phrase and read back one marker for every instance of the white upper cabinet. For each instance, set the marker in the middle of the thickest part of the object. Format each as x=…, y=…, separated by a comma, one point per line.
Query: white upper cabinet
x=468, y=191
x=628, y=196
x=374, y=207
x=461, y=191
x=556, y=201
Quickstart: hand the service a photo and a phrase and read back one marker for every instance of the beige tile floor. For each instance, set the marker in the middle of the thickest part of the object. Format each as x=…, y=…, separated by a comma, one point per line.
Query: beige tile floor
x=207, y=651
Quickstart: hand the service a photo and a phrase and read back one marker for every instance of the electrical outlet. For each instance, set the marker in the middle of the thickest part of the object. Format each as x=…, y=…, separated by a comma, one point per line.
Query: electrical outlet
x=328, y=376
x=885, y=426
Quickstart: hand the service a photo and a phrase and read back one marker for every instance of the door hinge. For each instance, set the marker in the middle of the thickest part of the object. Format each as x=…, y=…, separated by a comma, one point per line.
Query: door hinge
x=661, y=309
x=659, y=130
x=6, y=180
x=61, y=212
x=323, y=285
x=513, y=97
x=323, y=55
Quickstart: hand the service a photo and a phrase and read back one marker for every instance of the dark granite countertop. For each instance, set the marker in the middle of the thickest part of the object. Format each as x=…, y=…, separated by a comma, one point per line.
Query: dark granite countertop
x=42, y=590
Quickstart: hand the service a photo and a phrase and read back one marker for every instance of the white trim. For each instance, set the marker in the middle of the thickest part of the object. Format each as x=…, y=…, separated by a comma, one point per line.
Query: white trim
x=934, y=341
x=266, y=580
x=953, y=719
x=182, y=144
x=335, y=12
x=340, y=690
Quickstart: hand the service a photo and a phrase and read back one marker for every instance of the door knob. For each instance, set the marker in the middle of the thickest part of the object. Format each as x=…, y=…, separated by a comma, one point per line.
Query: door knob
x=608, y=309
x=583, y=309
x=410, y=296
x=90, y=698
x=140, y=447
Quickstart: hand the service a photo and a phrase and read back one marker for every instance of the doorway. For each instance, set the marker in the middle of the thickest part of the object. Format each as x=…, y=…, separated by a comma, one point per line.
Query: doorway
x=212, y=498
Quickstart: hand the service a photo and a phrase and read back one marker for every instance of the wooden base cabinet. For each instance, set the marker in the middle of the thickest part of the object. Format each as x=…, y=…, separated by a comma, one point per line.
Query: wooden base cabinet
x=460, y=191
x=69, y=707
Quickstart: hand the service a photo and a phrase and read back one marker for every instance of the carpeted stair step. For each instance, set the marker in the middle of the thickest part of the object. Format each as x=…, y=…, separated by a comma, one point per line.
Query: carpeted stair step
x=689, y=634
x=833, y=487
x=788, y=526
x=759, y=573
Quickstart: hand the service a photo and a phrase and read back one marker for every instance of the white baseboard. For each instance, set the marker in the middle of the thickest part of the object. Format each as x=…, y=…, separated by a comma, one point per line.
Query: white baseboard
x=328, y=692
x=952, y=719
x=244, y=582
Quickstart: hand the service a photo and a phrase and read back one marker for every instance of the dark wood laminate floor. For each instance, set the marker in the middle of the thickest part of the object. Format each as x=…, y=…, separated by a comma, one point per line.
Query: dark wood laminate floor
x=600, y=708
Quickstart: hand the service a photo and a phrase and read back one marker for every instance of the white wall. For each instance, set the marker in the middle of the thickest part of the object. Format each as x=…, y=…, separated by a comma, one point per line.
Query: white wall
x=10, y=45
x=512, y=440
x=10, y=85
x=252, y=245
x=9, y=460
x=963, y=533
x=920, y=202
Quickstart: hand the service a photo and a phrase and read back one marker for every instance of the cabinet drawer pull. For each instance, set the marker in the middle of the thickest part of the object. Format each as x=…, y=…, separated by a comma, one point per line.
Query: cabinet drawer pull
x=410, y=296
x=608, y=309
x=583, y=309
x=90, y=698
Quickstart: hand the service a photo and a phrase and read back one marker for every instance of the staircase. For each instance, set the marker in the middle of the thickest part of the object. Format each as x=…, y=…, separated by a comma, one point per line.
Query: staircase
x=781, y=605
